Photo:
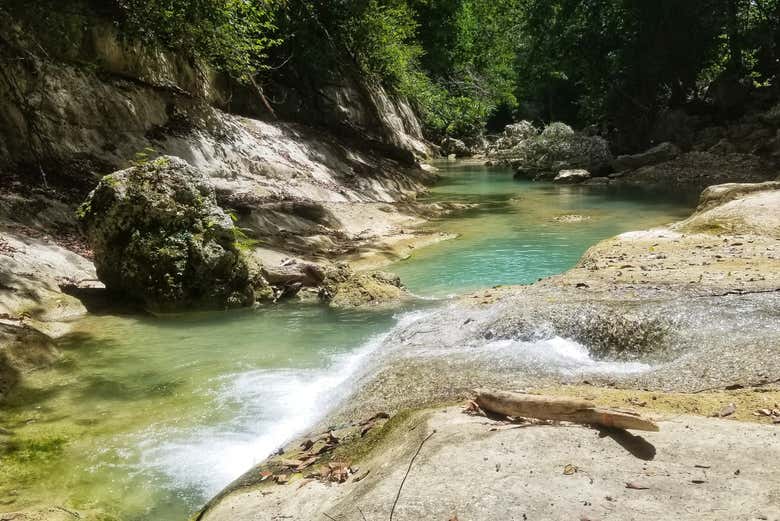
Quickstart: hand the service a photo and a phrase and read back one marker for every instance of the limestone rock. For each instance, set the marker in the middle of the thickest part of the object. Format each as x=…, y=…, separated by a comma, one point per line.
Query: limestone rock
x=159, y=237
x=450, y=146
x=737, y=209
x=658, y=154
x=345, y=288
x=558, y=148
x=572, y=176
x=22, y=349
x=703, y=169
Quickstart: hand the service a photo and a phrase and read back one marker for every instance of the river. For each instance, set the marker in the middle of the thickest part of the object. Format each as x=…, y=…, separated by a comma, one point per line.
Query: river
x=146, y=418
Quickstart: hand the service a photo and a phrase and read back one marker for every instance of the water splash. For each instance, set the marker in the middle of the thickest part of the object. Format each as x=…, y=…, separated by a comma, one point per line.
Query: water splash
x=562, y=355
x=273, y=407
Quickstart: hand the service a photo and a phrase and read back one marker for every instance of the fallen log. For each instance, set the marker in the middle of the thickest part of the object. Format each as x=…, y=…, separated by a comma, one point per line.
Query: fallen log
x=559, y=409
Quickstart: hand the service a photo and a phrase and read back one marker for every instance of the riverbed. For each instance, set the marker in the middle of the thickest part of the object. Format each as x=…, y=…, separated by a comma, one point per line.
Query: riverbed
x=146, y=418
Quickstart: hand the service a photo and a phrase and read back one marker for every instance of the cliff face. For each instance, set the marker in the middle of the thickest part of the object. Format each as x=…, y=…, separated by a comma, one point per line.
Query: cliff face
x=97, y=99
x=80, y=103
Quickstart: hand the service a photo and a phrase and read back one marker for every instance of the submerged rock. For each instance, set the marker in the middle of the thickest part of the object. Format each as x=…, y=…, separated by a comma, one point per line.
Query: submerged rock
x=159, y=237
x=22, y=349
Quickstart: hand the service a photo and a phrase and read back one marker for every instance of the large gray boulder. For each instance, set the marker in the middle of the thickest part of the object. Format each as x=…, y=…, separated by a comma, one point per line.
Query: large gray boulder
x=657, y=154
x=558, y=147
x=515, y=134
x=452, y=146
x=160, y=237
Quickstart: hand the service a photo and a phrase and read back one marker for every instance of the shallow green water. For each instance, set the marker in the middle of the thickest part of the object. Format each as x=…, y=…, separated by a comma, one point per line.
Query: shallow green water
x=512, y=237
x=145, y=418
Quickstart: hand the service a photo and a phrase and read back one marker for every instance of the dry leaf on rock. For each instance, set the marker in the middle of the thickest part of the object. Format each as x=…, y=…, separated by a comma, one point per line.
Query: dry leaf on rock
x=473, y=409
x=636, y=486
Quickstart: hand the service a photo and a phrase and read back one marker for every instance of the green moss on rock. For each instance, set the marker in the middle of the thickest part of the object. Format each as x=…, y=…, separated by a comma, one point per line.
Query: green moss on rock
x=160, y=237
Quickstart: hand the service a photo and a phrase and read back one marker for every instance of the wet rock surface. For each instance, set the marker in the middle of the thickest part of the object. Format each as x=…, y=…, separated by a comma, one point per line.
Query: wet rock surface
x=663, y=309
x=572, y=176
x=344, y=288
x=669, y=310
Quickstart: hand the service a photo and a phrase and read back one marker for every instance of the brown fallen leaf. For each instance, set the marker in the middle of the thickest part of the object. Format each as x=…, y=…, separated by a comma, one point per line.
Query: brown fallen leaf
x=473, y=409
x=307, y=444
x=374, y=418
x=281, y=479
x=306, y=463
x=304, y=483
x=569, y=470
x=265, y=475
x=336, y=471
x=291, y=462
x=362, y=476
x=635, y=486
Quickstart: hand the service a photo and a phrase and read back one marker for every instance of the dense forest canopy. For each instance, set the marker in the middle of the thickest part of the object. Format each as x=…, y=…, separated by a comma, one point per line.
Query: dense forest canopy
x=468, y=64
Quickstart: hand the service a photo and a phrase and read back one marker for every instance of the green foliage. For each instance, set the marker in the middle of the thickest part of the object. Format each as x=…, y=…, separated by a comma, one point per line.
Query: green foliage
x=618, y=63
x=233, y=35
x=383, y=40
x=622, y=62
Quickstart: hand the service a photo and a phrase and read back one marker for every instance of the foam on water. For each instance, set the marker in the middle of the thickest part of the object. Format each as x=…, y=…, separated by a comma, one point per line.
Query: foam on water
x=562, y=355
x=273, y=407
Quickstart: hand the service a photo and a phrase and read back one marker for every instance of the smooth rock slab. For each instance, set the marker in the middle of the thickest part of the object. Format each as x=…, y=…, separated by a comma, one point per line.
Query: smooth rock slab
x=693, y=469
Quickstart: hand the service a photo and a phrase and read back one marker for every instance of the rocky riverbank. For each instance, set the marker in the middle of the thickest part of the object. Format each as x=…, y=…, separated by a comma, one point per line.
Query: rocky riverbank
x=681, y=312
x=300, y=197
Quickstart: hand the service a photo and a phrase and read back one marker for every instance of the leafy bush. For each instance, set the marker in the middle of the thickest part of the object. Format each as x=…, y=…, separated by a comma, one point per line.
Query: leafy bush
x=232, y=35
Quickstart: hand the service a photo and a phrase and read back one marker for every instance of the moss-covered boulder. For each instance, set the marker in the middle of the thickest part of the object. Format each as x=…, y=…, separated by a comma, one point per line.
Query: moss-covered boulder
x=160, y=237
x=345, y=288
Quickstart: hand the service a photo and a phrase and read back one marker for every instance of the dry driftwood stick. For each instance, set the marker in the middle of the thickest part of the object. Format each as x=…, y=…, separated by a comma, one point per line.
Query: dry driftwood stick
x=559, y=409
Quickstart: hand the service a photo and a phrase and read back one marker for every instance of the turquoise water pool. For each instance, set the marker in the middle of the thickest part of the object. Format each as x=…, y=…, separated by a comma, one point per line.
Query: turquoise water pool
x=146, y=418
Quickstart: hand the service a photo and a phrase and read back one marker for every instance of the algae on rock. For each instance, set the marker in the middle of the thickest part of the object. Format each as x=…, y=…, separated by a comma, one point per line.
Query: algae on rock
x=160, y=237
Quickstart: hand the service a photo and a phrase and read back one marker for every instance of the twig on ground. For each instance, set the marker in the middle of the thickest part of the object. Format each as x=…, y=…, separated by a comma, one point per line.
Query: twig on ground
x=362, y=514
x=411, y=462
